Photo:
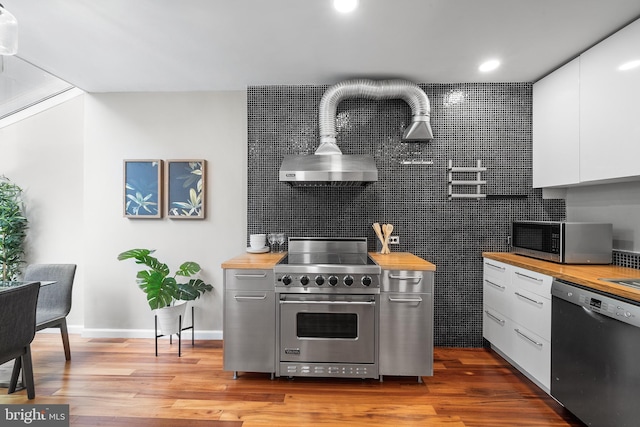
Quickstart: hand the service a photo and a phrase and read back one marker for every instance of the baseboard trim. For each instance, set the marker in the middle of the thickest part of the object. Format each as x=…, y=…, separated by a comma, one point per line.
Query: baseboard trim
x=130, y=333
x=145, y=333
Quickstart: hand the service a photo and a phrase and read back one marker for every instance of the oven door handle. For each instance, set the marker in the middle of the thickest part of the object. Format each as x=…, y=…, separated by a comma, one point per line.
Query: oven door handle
x=330, y=302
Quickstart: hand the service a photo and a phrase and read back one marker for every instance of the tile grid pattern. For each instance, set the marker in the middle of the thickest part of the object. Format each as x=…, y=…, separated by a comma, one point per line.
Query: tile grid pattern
x=490, y=122
x=626, y=259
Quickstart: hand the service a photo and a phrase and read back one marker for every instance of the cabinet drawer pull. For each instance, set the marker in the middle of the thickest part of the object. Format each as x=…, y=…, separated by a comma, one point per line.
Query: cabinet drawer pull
x=495, y=266
x=529, y=277
x=529, y=299
x=251, y=276
x=405, y=299
x=497, y=319
x=539, y=344
x=246, y=298
x=394, y=276
x=495, y=284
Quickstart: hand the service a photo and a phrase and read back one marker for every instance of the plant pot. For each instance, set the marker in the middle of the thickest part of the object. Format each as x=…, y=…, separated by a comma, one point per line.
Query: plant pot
x=168, y=318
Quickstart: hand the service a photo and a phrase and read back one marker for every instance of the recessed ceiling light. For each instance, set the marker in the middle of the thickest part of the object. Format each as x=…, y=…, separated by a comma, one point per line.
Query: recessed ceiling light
x=345, y=6
x=489, y=65
x=629, y=65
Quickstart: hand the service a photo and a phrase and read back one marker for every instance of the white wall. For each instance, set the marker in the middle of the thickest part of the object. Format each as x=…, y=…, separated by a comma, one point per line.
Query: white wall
x=43, y=154
x=68, y=159
x=615, y=203
x=210, y=126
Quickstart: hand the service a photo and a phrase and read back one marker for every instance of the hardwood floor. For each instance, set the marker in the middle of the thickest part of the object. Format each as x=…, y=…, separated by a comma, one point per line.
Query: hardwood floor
x=120, y=382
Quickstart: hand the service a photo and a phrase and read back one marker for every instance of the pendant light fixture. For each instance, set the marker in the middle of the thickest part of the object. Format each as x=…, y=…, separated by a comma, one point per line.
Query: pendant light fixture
x=8, y=32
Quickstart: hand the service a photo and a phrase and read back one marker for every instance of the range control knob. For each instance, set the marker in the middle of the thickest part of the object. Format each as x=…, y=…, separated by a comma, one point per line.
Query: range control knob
x=304, y=280
x=286, y=280
x=319, y=280
x=333, y=280
x=366, y=281
x=348, y=280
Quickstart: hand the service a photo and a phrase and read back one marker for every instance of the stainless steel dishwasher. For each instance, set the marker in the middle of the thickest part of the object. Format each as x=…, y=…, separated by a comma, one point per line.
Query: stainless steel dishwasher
x=595, y=355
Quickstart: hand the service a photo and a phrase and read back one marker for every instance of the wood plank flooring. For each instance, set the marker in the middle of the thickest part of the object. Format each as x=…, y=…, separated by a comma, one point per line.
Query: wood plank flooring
x=120, y=382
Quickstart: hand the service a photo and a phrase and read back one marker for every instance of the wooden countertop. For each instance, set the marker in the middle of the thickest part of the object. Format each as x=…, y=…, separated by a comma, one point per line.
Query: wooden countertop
x=250, y=261
x=401, y=261
x=392, y=261
x=583, y=274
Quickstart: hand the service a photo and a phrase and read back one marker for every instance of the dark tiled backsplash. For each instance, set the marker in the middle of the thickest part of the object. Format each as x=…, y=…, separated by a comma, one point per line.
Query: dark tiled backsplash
x=626, y=259
x=487, y=122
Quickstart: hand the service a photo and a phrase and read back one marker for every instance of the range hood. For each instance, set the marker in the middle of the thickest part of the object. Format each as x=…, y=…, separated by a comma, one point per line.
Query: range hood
x=335, y=170
x=328, y=166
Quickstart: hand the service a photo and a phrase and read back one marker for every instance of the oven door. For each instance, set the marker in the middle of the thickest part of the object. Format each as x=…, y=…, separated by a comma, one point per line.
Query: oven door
x=333, y=328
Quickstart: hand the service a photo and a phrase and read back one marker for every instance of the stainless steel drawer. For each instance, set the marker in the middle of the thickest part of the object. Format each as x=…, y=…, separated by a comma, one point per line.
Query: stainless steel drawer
x=240, y=279
x=408, y=281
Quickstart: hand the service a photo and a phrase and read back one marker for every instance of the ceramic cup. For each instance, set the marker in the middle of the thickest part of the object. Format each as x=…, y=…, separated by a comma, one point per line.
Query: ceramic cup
x=257, y=241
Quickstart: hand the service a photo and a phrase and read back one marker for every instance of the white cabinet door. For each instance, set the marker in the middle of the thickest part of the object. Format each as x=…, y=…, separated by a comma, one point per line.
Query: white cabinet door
x=556, y=127
x=496, y=328
x=533, y=311
x=532, y=353
x=495, y=289
x=532, y=281
x=609, y=108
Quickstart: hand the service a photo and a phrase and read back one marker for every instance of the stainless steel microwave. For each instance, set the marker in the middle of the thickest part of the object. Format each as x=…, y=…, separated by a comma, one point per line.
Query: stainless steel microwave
x=563, y=242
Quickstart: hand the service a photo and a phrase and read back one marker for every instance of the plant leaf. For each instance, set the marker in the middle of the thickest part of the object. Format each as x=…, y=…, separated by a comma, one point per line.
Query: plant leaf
x=192, y=290
x=188, y=269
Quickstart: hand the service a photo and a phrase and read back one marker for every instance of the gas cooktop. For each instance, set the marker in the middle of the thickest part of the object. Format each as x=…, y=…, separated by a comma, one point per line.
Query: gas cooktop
x=327, y=263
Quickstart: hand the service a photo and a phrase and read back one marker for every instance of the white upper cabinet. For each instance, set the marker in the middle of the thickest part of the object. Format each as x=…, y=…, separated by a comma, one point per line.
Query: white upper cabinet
x=610, y=107
x=586, y=116
x=556, y=127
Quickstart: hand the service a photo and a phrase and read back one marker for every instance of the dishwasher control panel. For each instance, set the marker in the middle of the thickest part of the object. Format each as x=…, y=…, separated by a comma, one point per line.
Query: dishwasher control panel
x=603, y=304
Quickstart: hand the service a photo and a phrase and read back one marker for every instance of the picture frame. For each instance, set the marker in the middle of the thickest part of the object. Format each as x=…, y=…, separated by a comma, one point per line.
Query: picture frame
x=142, y=188
x=186, y=188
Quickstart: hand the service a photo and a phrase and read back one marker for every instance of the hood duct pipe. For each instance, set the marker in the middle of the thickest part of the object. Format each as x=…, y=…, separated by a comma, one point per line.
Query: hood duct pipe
x=328, y=166
x=419, y=130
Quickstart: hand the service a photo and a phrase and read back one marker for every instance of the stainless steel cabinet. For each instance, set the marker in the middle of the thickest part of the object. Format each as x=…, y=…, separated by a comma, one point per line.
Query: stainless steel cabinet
x=406, y=323
x=249, y=321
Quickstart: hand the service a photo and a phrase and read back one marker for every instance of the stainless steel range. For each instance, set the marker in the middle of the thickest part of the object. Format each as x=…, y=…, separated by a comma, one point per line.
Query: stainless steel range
x=327, y=314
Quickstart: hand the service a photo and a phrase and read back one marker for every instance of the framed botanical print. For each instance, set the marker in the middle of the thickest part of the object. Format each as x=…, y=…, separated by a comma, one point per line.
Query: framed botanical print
x=143, y=188
x=185, y=181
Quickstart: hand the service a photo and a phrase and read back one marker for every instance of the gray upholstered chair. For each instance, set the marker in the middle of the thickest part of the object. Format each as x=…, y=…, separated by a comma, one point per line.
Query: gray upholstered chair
x=17, y=329
x=54, y=302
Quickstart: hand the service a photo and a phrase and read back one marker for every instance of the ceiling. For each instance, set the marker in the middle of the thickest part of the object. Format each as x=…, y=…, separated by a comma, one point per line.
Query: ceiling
x=211, y=45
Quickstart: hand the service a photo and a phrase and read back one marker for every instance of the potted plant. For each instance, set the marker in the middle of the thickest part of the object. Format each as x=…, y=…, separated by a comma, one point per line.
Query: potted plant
x=13, y=227
x=165, y=295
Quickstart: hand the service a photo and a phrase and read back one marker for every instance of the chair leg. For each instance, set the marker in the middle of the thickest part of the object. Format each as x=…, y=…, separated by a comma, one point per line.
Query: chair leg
x=27, y=366
x=65, y=339
x=15, y=373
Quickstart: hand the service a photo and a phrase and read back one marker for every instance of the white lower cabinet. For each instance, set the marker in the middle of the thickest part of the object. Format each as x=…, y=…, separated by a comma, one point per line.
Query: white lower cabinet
x=517, y=318
x=495, y=329
x=532, y=310
x=532, y=353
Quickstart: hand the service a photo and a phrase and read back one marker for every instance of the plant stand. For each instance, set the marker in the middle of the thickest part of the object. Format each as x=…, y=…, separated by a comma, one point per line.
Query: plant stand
x=180, y=329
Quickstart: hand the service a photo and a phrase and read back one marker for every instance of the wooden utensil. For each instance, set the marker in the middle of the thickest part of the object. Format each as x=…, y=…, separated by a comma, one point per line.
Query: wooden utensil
x=377, y=229
x=386, y=230
x=386, y=239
